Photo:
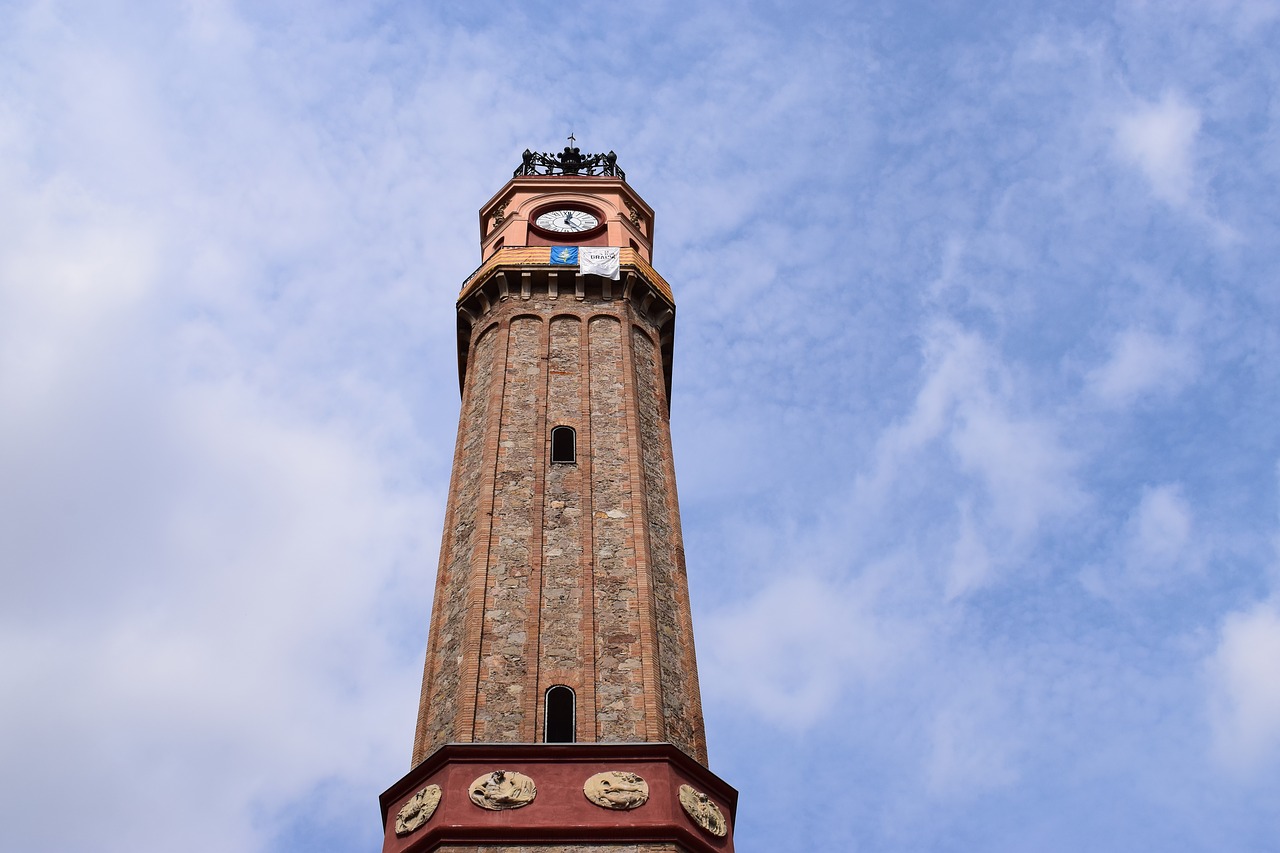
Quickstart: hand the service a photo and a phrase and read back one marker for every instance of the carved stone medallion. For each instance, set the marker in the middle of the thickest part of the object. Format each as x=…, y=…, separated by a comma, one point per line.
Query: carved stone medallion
x=616, y=789
x=418, y=810
x=704, y=812
x=503, y=789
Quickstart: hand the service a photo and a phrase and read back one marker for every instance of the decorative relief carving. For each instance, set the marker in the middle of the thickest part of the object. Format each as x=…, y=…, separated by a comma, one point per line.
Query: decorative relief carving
x=418, y=810
x=704, y=812
x=633, y=214
x=616, y=789
x=499, y=213
x=503, y=789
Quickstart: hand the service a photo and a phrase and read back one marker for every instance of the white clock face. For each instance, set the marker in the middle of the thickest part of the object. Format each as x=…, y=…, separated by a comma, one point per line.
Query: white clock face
x=566, y=220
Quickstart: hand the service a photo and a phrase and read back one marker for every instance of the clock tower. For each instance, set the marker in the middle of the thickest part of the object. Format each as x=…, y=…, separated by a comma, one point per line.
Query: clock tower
x=560, y=708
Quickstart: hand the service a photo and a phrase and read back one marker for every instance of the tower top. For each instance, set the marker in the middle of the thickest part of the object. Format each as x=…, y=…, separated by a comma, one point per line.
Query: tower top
x=569, y=198
x=572, y=200
x=570, y=161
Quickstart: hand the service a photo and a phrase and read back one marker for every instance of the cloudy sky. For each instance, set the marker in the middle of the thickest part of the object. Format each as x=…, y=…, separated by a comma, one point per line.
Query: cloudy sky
x=975, y=408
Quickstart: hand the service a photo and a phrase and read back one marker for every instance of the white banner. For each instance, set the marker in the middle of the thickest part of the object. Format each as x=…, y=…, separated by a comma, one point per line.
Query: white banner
x=598, y=261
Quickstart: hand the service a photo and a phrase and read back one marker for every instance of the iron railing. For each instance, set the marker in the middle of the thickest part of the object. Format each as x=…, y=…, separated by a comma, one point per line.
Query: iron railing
x=571, y=161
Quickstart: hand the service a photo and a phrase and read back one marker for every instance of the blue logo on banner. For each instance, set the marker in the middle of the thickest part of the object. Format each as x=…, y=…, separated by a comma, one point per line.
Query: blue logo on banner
x=564, y=255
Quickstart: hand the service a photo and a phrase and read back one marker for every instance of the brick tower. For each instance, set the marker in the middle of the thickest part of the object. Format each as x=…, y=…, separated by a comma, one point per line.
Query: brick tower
x=560, y=707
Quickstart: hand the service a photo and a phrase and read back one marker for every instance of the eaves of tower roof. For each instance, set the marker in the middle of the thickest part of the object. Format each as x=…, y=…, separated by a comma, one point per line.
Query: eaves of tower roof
x=540, y=256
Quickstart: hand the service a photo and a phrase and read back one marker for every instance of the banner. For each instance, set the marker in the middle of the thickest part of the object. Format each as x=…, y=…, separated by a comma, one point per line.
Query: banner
x=599, y=261
x=564, y=255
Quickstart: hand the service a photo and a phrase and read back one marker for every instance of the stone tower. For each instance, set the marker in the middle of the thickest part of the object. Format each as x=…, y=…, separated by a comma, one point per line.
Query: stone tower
x=560, y=707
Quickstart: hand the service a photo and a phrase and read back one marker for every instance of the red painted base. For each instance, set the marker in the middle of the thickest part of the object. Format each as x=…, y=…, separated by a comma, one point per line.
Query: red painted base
x=560, y=813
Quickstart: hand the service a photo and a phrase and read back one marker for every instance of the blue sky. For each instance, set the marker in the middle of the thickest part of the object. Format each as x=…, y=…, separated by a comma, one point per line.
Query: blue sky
x=975, y=409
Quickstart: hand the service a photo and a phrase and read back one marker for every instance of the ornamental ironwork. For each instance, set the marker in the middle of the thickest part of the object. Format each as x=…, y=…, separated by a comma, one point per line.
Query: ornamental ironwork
x=571, y=161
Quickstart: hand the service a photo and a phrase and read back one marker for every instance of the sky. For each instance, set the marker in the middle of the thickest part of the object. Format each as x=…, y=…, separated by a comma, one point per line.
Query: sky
x=975, y=403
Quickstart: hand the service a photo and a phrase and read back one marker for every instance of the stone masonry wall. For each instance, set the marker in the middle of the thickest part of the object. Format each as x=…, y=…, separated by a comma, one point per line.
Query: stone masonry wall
x=563, y=655
x=681, y=700
x=619, y=679
x=438, y=713
x=509, y=608
x=567, y=573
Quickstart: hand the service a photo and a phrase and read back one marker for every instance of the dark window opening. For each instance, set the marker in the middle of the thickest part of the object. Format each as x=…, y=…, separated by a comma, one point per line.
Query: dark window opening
x=497, y=245
x=560, y=721
x=564, y=445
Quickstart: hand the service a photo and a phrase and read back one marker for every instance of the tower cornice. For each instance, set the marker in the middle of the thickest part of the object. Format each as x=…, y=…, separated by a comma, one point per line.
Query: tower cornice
x=534, y=257
x=525, y=273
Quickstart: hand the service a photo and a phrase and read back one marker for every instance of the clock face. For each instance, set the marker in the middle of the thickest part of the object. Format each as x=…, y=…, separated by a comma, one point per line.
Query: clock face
x=566, y=220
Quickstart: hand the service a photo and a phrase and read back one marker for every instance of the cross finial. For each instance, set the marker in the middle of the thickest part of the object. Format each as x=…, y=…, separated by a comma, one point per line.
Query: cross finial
x=571, y=138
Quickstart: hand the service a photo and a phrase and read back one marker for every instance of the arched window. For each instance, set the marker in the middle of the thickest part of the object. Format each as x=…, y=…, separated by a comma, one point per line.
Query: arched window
x=559, y=722
x=497, y=245
x=564, y=444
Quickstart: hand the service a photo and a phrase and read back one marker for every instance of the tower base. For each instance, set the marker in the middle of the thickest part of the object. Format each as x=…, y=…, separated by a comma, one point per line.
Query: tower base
x=560, y=818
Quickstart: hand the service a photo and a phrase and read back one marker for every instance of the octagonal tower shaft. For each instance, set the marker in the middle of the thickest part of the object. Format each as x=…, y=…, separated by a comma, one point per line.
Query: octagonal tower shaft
x=562, y=573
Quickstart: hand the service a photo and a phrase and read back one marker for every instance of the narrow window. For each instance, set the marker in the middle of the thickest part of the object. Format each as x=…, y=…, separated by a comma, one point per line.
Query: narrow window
x=497, y=246
x=564, y=445
x=560, y=721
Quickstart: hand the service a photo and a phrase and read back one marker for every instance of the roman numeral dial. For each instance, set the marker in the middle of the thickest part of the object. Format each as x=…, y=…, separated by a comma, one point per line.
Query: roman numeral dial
x=567, y=221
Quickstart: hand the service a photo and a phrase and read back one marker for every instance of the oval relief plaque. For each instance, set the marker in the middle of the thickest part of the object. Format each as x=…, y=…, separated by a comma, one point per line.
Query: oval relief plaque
x=503, y=789
x=704, y=812
x=616, y=789
x=418, y=810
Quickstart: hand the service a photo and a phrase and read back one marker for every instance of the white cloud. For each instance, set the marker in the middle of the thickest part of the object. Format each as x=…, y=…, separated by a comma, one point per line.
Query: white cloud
x=1158, y=547
x=206, y=526
x=1246, y=16
x=1144, y=363
x=1159, y=139
x=973, y=744
x=238, y=630
x=1244, y=673
x=970, y=566
x=1022, y=462
x=791, y=649
x=1020, y=474
x=1160, y=531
